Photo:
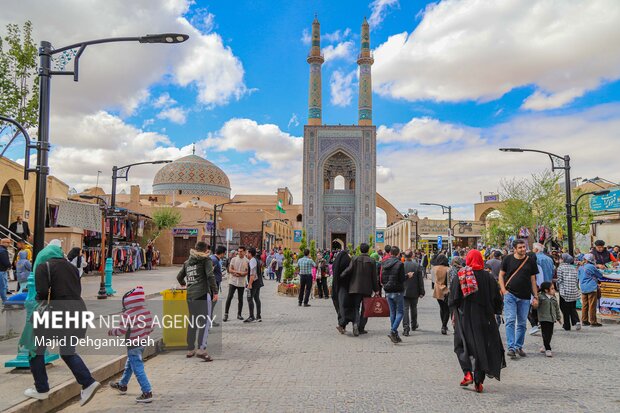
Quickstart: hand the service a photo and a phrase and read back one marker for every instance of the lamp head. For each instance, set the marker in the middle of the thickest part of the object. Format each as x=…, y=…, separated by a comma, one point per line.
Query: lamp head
x=511, y=149
x=602, y=192
x=170, y=38
x=159, y=162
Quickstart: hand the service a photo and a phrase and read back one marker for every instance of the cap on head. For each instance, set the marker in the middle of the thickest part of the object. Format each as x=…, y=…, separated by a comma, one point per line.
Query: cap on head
x=590, y=258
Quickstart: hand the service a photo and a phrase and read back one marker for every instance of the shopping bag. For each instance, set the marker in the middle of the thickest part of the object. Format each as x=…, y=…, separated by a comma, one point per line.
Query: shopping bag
x=376, y=307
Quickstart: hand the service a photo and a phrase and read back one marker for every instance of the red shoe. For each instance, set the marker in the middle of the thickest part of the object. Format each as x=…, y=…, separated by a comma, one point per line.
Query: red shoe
x=479, y=388
x=467, y=380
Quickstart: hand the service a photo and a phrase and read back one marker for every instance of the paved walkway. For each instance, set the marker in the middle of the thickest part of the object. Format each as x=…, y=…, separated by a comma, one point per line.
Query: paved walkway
x=13, y=382
x=296, y=361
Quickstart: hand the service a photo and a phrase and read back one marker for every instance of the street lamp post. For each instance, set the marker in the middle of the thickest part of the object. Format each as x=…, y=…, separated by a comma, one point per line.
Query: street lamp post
x=558, y=163
x=45, y=76
x=445, y=209
x=596, y=193
x=102, y=291
x=117, y=172
x=214, y=228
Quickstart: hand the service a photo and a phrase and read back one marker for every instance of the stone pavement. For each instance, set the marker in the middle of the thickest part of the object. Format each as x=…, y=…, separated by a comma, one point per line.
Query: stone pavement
x=295, y=360
x=14, y=381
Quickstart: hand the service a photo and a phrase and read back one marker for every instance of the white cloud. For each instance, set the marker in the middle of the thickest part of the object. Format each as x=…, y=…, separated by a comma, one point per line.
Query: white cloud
x=344, y=50
x=379, y=10
x=480, y=50
x=341, y=86
x=163, y=101
x=427, y=132
x=306, y=38
x=293, y=121
x=176, y=115
x=267, y=141
x=85, y=144
x=455, y=175
x=203, y=20
x=276, y=156
x=336, y=36
x=117, y=76
x=384, y=174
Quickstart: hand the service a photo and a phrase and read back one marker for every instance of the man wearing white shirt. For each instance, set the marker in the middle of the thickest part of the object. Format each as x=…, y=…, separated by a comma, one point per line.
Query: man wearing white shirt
x=238, y=272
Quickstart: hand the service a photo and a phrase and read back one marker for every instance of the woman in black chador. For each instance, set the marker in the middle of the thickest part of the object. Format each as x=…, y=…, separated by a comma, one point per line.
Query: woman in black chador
x=477, y=342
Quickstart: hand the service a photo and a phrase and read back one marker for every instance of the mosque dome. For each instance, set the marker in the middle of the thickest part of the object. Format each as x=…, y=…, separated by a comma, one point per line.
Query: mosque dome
x=191, y=175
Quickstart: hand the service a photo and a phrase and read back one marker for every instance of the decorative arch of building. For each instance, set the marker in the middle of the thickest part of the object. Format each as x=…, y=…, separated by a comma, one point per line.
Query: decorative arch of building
x=483, y=209
x=390, y=210
x=11, y=202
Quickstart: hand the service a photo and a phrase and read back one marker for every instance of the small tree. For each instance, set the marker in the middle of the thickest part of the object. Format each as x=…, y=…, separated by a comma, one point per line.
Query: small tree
x=289, y=269
x=313, y=250
x=19, y=90
x=304, y=242
x=371, y=244
x=165, y=218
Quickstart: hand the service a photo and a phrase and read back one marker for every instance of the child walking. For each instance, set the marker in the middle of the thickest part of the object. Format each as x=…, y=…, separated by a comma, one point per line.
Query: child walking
x=23, y=269
x=136, y=325
x=548, y=314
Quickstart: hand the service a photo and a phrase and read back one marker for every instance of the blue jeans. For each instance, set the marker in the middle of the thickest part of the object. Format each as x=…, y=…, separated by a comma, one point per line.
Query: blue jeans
x=396, y=303
x=515, y=312
x=135, y=365
x=4, y=285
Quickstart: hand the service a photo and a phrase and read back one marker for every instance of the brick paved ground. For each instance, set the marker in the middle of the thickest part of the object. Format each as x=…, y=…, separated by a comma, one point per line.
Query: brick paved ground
x=296, y=361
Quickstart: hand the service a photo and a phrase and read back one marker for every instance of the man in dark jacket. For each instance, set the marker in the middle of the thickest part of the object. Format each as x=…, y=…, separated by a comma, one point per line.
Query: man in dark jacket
x=363, y=281
x=340, y=291
x=393, y=279
x=197, y=275
x=414, y=289
x=20, y=228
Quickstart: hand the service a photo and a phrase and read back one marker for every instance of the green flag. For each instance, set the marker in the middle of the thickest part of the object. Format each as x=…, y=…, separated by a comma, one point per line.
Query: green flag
x=279, y=207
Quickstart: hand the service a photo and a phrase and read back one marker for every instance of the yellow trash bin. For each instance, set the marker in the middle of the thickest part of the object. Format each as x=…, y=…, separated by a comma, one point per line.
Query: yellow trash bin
x=175, y=308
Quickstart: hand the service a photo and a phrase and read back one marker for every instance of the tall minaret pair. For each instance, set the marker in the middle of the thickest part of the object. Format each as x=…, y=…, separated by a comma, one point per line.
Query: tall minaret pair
x=316, y=59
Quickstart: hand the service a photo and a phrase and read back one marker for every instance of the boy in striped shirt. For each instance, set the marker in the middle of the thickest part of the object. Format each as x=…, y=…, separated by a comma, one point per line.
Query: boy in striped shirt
x=136, y=325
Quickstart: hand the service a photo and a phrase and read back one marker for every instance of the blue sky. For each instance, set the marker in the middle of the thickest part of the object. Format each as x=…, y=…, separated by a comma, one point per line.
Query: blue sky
x=453, y=81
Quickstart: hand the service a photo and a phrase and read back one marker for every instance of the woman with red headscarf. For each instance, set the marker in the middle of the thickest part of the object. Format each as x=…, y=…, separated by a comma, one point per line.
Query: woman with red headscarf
x=477, y=342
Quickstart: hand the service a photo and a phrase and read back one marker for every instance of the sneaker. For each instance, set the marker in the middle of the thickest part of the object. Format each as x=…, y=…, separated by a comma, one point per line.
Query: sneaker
x=521, y=353
x=406, y=333
x=534, y=330
x=586, y=323
x=578, y=326
x=88, y=393
x=306, y=305
x=145, y=397
x=596, y=325
x=444, y=330
x=122, y=389
x=356, y=331
x=400, y=340
x=299, y=304
x=239, y=317
x=341, y=329
x=33, y=393
x=467, y=380
x=363, y=332
x=225, y=319
x=542, y=350
x=393, y=338
x=548, y=353
x=259, y=319
x=249, y=320
x=479, y=388
x=511, y=354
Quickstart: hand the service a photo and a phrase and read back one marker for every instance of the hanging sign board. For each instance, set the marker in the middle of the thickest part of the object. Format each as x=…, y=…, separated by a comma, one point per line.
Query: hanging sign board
x=379, y=237
x=607, y=202
x=183, y=232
